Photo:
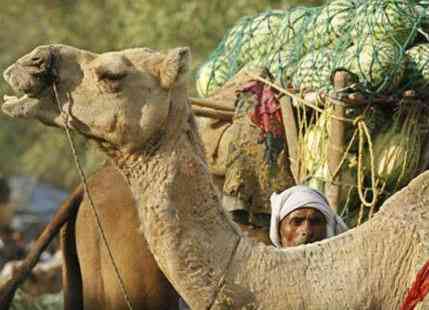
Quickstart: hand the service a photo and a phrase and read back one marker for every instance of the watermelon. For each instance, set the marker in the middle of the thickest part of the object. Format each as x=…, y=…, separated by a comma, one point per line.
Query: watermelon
x=212, y=75
x=417, y=71
x=282, y=64
x=379, y=65
x=387, y=20
x=318, y=31
x=250, y=40
x=340, y=14
x=314, y=70
x=291, y=26
x=397, y=149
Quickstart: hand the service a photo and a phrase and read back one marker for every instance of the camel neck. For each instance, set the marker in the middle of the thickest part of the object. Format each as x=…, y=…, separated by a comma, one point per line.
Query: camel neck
x=181, y=217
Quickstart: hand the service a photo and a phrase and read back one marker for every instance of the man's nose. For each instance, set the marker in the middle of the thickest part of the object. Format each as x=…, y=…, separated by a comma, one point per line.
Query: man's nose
x=307, y=230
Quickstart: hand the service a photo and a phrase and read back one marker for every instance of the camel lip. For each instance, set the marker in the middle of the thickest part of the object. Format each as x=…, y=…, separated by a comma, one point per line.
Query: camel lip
x=18, y=106
x=34, y=84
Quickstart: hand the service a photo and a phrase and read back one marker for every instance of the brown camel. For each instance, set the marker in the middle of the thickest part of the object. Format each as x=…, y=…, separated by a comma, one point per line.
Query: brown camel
x=133, y=103
x=85, y=258
x=155, y=292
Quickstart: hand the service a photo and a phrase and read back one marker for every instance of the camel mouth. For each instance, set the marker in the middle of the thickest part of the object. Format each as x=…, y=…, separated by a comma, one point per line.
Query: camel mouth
x=19, y=107
x=26, y=100
x=29, y=89
x=30, y=78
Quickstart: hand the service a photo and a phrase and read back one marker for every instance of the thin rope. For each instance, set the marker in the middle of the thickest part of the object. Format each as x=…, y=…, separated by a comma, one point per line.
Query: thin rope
x=91, y=203
x=343, y=159
x=297, y=98
x=222, y=279
x=363, y=131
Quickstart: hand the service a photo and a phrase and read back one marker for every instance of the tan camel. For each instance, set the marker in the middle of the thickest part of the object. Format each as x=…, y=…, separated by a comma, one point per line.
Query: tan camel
x=134, y=104
x=154, y=290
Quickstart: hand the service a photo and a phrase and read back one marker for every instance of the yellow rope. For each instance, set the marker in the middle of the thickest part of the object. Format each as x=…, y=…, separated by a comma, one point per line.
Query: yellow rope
x=346, y=152
x=363, y=132
x=297, y=98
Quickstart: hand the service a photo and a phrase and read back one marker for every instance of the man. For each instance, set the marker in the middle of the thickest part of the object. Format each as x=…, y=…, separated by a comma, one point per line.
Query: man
x=301, y=215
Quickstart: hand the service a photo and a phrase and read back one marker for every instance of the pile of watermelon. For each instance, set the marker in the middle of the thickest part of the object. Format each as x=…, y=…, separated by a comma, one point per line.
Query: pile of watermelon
x=383, y=42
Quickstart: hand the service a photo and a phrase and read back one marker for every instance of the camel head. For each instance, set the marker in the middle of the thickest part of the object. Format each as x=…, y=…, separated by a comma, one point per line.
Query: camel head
x=120, y=99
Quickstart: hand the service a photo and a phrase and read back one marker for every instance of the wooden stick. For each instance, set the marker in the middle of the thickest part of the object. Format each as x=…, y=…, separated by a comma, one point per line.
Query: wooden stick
x=424, y=161
x=336, y=147
x=211, y=113
x=207, y=103
x=291, y=134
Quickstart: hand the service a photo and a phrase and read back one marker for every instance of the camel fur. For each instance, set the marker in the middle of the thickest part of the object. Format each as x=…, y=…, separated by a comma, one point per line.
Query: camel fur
x=133, y=103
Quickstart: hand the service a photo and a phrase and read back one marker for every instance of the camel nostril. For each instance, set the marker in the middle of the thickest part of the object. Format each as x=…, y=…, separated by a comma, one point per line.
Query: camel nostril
x=37, y=61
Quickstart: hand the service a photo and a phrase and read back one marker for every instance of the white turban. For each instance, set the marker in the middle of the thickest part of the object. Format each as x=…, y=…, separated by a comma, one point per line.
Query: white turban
x=302, y=197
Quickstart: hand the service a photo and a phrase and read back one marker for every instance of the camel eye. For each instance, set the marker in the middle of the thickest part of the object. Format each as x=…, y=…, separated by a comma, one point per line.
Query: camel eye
x=111, y=76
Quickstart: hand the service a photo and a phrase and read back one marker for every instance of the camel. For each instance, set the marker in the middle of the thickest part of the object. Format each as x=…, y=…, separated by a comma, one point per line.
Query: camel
x=155, y=292
x=83, y=251
x=133, y=103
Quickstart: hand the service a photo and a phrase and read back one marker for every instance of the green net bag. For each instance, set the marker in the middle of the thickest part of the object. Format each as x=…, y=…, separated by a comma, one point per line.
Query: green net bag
x=340, y=14
x=246, y=43
x=397, y=149
x=387, y=20
x=291, y=26
x=212, y=75
x=249, y=40
x=321, y=27
x=314, y=70
x=314, y=154
x=418, y=67
x=367, y=37
x=380, y=65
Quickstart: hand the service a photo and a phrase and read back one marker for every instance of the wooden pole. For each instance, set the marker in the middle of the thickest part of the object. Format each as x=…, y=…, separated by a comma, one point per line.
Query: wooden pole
x=424, y=156
x=211, y=113
x=207, y=103
x=291, y=134
x=336, y=147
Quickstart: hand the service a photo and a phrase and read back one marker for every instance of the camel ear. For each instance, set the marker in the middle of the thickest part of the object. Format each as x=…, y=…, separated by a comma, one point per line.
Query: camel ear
x=175, y=66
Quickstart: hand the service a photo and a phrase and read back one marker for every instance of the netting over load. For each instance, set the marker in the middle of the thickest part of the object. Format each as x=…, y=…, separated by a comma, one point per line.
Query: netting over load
x=384, y=46
x=303, y=46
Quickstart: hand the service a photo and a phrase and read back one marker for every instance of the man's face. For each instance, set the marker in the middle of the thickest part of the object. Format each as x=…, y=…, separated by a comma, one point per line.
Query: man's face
x=302, y=226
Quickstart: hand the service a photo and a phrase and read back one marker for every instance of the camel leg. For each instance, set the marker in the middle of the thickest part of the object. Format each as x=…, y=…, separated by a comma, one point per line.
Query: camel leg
x=72, y=279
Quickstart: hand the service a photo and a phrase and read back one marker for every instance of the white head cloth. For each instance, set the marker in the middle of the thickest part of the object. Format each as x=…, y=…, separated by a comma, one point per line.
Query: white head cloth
x=299, y=197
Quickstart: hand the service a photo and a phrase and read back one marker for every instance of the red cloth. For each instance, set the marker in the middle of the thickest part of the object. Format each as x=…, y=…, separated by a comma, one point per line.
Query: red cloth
x=267, y=114
x=418, y=290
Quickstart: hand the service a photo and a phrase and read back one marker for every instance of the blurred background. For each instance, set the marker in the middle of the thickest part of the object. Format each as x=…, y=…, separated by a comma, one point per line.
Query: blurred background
x=100, y=25
x=36, y=164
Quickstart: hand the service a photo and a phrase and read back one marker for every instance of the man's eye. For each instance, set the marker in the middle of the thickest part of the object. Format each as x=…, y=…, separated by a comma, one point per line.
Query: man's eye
x=297, y=221
x=317, y=221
